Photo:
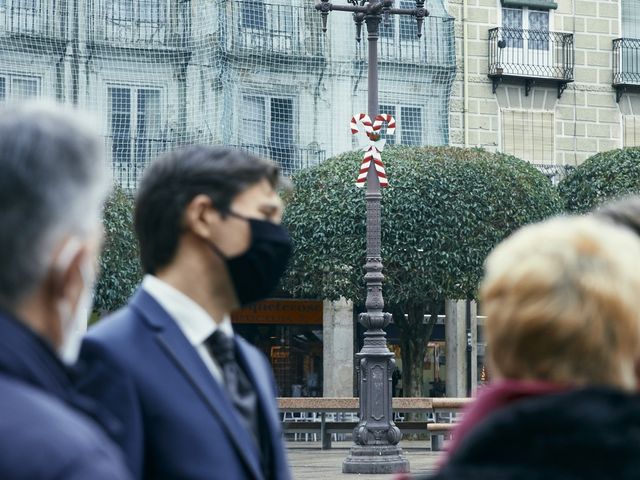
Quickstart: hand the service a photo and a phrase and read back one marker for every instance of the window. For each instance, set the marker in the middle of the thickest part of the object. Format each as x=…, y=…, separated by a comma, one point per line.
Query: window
x=21, y=16
x=119, y=10
x=17, y=88
x=408, y=124
x=135, y=125
x=268, y=129
x=630, y=52
x=136, y=20
x=516, y=20
x=254, y=15
x=529, y=135
x=407, y=25
x=151, y=11
x=630, y=18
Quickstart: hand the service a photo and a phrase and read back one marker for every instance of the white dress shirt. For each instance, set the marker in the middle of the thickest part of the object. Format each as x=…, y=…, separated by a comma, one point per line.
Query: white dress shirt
x=194, y=322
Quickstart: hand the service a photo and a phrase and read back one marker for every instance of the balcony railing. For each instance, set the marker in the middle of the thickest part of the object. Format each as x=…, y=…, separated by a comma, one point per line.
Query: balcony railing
x=555, y=173
x=398, y=42
x=626, y=64
x=131, y=155
x=138, y=23
x=531, y=54
x=34, y=17
x=267, y=28
x=289, y=158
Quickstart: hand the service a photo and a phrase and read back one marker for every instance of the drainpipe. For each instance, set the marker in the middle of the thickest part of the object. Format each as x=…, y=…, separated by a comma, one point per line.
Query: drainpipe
x=465, y=63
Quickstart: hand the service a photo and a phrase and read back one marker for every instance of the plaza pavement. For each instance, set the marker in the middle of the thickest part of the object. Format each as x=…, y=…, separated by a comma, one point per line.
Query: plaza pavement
x=310, y=463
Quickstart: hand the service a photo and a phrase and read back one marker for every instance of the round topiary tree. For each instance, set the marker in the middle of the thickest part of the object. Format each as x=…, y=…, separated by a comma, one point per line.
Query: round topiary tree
x=445, y=209
x=119, y=264
x=602, y=177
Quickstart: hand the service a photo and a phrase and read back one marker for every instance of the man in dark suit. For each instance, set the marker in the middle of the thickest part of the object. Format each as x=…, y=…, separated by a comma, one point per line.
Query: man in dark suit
x=52, y=185
x=197, y=401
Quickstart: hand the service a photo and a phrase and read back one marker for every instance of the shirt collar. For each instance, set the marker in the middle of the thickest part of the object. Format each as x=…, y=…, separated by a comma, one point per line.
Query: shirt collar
x=196, y=324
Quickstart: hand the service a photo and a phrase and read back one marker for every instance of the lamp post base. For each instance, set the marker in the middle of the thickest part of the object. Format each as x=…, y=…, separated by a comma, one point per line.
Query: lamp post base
x=374, y=459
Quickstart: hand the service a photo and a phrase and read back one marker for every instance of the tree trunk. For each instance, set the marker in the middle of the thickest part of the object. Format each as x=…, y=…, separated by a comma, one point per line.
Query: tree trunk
x=414, y=337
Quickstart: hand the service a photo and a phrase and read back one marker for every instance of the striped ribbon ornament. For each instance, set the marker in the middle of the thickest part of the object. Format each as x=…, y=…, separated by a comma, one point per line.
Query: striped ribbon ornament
x=375, y=146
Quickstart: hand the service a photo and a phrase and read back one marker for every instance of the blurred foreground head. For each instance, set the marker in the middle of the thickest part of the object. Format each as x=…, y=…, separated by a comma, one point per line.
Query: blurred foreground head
x=562, y=304
x=624, y=211
x=53, y=181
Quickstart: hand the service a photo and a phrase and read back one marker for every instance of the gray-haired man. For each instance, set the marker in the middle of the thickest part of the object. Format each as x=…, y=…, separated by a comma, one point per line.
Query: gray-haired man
x=52, y=185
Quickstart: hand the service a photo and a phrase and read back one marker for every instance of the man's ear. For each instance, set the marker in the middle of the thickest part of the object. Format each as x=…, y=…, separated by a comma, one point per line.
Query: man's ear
x=200, y=216
x=66, y=274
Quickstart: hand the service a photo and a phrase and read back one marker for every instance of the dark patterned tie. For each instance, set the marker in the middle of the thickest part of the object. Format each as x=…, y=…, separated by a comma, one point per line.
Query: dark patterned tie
x=239, y=388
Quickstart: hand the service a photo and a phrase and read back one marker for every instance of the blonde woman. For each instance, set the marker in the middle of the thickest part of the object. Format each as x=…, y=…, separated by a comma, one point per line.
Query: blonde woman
x=563, y=336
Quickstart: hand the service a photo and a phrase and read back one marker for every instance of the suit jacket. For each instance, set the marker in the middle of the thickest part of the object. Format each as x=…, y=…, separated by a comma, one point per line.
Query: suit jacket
x=44, y=431
x=178, y=421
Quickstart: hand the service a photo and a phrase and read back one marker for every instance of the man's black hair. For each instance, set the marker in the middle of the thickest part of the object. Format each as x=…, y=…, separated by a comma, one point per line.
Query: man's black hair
x=172, y=181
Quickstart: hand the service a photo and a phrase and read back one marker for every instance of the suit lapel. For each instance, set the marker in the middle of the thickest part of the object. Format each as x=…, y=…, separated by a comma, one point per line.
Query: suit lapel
x=186, y=359
x=250, y=361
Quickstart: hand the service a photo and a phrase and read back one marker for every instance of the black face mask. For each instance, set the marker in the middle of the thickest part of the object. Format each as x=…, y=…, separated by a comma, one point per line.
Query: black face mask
x=256, y=273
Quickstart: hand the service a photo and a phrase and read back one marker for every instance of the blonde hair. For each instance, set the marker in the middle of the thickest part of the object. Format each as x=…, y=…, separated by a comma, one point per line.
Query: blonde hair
x=562, y=300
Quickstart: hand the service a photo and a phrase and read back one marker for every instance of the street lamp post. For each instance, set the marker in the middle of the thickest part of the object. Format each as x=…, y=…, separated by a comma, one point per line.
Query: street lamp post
x=376, y=437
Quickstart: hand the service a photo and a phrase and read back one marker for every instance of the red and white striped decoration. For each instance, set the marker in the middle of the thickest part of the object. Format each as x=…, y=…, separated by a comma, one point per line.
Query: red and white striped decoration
x=361, y=118
x=372, y=151
x=382, y=119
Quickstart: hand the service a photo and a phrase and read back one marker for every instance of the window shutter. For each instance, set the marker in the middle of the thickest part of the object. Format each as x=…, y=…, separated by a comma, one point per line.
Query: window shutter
x=631, y=131
x=529, y=135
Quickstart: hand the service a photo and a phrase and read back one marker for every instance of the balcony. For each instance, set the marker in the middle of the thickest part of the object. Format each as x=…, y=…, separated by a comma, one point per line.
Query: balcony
x=139, y=24
x=131, y=155
x=626, y=65
x=289, y=158
x=42, y=18
x=260, y=28
x=534, y=56
x=399, y=44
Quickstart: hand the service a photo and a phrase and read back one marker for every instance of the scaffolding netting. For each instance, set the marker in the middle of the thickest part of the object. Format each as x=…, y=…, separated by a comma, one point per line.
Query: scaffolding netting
x=259, y=75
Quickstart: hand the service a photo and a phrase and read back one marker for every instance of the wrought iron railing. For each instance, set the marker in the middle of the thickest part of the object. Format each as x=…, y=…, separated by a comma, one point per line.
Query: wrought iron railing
x=262, y=28
x=398, y=42
x=139, y=23
x=555, y=173
x=288, y=157
x=131, y=155
x=42, y=18
x=531, y=53
x=626, y=61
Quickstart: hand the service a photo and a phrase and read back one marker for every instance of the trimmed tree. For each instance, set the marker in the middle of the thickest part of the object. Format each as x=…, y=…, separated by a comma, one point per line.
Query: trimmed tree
x=600, y=178
x=119, y=264
x=445, y=209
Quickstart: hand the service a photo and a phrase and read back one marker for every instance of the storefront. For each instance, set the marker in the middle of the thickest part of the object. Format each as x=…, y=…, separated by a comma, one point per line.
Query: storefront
x=289, y=333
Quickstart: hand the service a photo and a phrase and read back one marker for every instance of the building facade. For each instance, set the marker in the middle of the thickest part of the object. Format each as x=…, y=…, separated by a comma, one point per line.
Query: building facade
x=550, y=82
x=257, y=74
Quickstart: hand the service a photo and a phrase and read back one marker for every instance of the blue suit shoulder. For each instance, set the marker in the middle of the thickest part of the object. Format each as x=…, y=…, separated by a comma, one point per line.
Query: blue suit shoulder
x=114, y=340
x=42, y=438
x=117, y=327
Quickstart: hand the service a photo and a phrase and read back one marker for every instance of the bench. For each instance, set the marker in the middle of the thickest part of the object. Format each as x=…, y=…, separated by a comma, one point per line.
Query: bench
x=325, y=428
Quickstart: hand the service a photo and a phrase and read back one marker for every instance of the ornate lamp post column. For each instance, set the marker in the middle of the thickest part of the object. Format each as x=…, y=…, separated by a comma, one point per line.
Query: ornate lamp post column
x=376, y=437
